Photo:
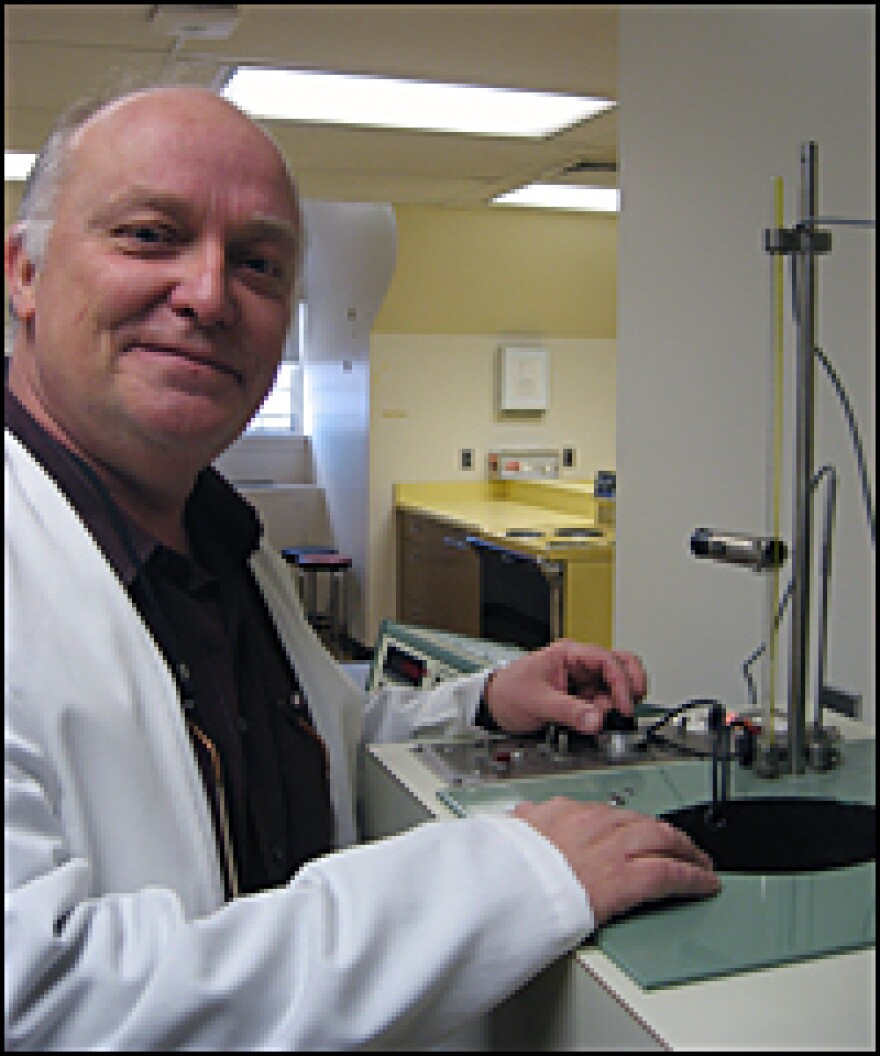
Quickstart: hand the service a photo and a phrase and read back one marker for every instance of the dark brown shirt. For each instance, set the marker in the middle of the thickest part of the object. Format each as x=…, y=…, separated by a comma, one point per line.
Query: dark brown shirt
x=249, y=722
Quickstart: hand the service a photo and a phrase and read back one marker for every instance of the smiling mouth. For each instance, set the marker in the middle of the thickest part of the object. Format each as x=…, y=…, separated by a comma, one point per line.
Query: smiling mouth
x=196, y=361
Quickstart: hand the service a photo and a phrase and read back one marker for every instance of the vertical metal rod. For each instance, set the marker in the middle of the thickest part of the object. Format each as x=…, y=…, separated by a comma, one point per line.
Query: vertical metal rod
x=715, y=799
x=725, y=735
x=822, y=650
x=803, y=468
x=553, y=573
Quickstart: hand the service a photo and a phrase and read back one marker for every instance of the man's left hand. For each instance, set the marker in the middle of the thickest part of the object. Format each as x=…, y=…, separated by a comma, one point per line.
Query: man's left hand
x=566, y=682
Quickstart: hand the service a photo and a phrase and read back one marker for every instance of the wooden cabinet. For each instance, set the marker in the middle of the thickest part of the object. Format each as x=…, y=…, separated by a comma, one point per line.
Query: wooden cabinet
x=438, y=575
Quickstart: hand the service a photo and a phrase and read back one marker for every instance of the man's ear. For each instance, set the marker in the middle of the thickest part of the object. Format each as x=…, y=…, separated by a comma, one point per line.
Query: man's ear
x=21, y=275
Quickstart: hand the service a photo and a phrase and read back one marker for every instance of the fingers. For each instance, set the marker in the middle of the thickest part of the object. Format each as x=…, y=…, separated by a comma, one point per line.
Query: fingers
x=565, y=682
x=622, y=858
x=635, y=834
x=583, y=714
x=606, y=678
x=649, y=837
x=635, y=673
x=650, y=879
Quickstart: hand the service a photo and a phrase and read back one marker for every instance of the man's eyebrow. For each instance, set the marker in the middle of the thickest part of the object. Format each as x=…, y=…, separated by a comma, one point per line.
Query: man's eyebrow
x=258, y=226
x=271, y=227
x=141, y=199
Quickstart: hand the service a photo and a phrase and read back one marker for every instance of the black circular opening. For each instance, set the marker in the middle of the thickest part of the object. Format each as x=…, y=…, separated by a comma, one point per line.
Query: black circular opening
x=781, y=835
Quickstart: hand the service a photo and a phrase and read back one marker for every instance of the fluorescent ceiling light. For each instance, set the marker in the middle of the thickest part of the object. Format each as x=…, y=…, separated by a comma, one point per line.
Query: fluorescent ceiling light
x=381, y=102
x=560, y=196
x=16, y=165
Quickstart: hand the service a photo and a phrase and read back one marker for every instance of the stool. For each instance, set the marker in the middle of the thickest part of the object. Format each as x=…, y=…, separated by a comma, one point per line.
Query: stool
x=291, y=553
x=310, y=566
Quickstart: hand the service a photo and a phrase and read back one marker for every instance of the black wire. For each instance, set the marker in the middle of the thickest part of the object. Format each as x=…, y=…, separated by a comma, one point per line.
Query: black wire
x=856, y=439
x=668, y=716
x=683, y=749
x=762, y=648
x=653, y=737
x=848, y=412
x=855, y=435
x=783, y=604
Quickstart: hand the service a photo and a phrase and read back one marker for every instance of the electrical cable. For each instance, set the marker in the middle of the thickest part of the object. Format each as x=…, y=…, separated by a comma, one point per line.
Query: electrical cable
x=829, y=471
x=849, y=414
x=759, y=652
x=855, y=436
x=652, y=736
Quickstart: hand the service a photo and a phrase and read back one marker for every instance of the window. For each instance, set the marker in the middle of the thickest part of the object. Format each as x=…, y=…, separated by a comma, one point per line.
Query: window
x=282, y=410
x=278, y=414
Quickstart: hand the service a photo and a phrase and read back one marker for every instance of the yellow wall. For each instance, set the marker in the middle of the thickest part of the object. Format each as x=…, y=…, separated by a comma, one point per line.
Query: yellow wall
x=12, y=193
x=464, y=281
x=502, y=270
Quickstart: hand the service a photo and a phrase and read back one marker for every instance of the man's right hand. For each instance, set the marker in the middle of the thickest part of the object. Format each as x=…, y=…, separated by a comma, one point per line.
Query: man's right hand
x=622, y=858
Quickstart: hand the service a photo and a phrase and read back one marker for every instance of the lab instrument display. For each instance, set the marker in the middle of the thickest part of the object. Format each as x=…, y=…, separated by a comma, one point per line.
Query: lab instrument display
x=421, y=657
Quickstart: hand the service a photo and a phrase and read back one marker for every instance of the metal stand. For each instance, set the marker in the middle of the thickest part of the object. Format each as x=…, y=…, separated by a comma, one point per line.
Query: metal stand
x=803, y=243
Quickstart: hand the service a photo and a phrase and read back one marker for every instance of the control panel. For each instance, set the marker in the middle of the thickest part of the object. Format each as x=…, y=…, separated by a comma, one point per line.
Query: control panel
x=408, y=665
x=555, y=751
x=524, y=464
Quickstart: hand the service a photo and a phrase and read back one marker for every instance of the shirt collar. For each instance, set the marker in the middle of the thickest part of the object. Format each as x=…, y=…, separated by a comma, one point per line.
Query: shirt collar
x=215, y=512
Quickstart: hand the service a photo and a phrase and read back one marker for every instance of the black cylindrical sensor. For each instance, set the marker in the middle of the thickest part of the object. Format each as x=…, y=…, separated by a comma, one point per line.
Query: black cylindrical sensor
x=754, y=551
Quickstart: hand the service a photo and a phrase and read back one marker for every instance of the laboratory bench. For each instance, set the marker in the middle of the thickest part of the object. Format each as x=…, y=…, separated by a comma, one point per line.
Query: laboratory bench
x=495, y=506
x=512, y=560
x=602, y=997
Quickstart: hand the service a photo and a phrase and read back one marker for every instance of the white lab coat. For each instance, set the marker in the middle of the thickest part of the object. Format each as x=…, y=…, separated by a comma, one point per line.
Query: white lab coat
x=116, y=929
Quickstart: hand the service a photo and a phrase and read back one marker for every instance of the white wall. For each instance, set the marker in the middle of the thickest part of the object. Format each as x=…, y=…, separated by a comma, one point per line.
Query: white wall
x=262, y=459
x=292, y=514
x=715, y=103
x=276, y=474
x=350, y=251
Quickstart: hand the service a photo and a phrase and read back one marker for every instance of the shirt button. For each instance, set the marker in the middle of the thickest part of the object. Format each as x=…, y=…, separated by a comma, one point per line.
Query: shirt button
x=277, y=853
x=243, y=725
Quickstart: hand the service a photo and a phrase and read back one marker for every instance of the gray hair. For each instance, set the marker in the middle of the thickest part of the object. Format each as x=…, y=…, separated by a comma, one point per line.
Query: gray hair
x=36, y=213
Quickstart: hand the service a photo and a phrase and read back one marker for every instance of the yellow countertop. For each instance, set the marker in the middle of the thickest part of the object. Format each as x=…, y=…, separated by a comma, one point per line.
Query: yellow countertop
x=493, y=507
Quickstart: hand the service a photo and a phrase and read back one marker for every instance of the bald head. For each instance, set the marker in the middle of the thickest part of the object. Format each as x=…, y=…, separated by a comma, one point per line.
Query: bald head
x=187, y=105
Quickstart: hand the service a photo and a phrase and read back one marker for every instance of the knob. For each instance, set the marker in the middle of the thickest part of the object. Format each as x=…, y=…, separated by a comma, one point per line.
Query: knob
x=615, y=721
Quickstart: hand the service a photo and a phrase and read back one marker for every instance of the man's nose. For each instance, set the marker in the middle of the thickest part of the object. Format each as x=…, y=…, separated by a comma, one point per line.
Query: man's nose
x=202, y=289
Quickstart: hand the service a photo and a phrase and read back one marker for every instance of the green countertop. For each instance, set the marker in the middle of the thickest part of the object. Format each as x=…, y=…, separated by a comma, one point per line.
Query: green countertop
x=757, y=920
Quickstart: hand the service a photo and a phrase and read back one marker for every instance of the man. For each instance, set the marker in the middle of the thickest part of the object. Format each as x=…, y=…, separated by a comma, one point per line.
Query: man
x=180, y=750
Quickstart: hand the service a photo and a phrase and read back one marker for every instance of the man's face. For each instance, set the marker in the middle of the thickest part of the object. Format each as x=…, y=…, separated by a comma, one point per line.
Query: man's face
x=159, y=314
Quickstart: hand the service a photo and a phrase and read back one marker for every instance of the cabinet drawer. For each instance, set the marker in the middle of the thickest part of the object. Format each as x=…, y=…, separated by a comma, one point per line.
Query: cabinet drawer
x=430, y=531
x=438, y=575
x=425, y=580
x=445, y=597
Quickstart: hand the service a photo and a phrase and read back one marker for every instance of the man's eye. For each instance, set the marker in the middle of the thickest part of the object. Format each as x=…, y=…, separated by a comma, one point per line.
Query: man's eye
x=146, y=234
x=263, y=266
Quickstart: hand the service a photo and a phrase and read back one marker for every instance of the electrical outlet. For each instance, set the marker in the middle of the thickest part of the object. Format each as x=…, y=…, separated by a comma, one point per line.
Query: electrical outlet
x=568, y=457
x=466, y=458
